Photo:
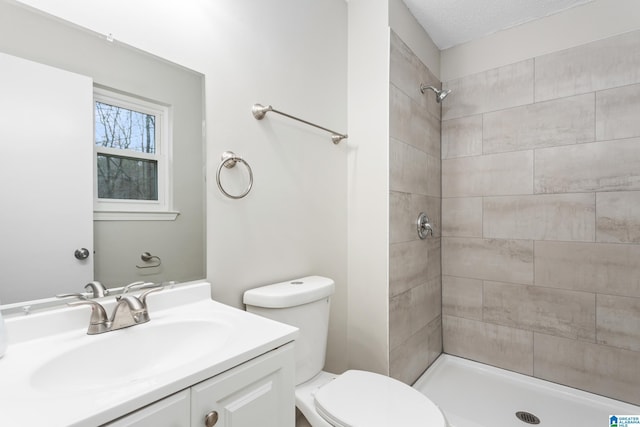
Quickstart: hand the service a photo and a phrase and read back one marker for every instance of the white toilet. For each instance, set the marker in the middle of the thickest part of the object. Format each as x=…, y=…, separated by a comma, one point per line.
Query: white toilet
x=353, y=399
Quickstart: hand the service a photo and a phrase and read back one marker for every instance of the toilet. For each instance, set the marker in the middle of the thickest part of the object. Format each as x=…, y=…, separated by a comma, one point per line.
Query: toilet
x=352, y=399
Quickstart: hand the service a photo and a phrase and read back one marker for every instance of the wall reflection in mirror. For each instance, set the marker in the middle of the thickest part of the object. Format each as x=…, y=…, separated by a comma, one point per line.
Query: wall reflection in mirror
x=101, y=154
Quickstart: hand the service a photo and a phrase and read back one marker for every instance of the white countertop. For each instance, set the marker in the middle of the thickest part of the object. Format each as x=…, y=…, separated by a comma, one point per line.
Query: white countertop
x=39, y=338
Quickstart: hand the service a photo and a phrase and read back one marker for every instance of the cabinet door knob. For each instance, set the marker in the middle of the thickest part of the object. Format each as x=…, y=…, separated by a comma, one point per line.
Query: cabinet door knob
x=211, y=419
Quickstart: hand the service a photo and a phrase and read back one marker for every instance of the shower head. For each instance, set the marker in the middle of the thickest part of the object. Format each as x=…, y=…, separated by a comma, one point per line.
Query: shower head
x=440, y=93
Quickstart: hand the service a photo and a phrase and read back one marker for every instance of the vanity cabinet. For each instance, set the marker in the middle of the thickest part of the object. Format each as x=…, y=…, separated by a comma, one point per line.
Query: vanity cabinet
x=259, y=392
x=171, y=411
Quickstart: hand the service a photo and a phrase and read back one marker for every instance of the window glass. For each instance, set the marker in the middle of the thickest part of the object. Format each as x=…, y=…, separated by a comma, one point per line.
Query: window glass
x=126, y=178
x=124, y=129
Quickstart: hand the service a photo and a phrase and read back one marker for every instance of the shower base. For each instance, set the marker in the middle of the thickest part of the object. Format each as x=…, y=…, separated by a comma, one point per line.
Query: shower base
x=472, y=394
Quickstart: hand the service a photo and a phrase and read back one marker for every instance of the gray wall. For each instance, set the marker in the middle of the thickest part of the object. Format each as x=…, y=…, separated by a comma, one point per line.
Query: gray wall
x=118, y=244
x=540, y=247
x=415, y=323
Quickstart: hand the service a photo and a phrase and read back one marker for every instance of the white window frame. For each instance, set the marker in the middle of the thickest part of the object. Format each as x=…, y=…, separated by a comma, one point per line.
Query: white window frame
x=144, y=210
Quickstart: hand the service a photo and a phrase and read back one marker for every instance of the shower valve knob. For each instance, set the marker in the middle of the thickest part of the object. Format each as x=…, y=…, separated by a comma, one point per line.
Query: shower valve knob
x=424, y=227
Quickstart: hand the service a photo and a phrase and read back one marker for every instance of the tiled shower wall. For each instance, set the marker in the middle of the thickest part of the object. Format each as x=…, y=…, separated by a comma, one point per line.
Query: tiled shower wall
x=541, y=217
x=415, y=323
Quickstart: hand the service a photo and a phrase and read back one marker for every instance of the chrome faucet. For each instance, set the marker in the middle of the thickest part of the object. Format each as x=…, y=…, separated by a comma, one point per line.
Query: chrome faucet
x=129, y=311
x=99, y=322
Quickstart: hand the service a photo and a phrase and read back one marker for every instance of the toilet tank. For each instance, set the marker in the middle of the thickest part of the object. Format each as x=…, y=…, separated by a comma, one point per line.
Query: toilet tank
x=303, y=303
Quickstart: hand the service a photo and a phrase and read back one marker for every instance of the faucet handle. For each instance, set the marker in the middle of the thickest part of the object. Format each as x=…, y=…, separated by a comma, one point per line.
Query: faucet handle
x=73, y=294
x=97, y=289
x=126, y=288
x=99, y=322
x=138, y=285
x=143, y=297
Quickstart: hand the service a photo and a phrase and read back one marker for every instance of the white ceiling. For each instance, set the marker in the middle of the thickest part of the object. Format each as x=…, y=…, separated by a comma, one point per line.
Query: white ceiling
x=452, y=22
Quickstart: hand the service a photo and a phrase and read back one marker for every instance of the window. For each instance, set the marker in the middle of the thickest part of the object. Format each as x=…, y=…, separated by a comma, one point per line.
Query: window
x=132, y=157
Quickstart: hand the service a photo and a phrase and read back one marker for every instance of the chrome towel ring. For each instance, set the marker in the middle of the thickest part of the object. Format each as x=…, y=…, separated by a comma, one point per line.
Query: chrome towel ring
x=229, y=160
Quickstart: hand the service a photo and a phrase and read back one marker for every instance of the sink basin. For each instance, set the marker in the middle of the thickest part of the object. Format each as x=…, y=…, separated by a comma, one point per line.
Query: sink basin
x=84, y=380
x=132, y=355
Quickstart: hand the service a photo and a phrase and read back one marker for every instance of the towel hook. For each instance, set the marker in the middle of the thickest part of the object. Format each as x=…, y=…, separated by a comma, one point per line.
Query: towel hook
x=147, y=257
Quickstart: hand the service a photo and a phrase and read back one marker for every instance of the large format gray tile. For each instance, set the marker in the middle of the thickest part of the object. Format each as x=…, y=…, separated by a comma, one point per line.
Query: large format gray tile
x=488, y=259
x=546, y=124
x=413, y=310
x=434, y=335
x=488, y=175
x=407, y=265
x=496, y=89
x=404, y=68
x=425, y=304
x=434, y=176
x=401, y=212
x=594, y=66
x=432, y=128
x=618, y=217
x=618, y=321
x=410, y=359
x=596, y=166
x=407, y=168
x=558, y=312
x=406, y=72
x=401, y=123
x=600, y=369
x=608, y=268
x=434, y=258
x=462, y=297
x=433, y=207
x=496, y=345
x=399, y=319
x=462, y=137
x=403, y=215
x=541, y=217
x=617, y=112
x=462, y=217
x=410, y=123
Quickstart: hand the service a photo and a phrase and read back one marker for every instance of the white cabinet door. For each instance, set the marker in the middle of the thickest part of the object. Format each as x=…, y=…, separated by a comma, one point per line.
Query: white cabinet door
x=46, y=184
x=172, y=411
x=260, y=392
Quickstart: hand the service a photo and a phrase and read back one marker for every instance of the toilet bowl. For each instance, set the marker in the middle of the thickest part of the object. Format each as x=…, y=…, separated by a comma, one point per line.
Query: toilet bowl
x=360, y=398
x=352, y=399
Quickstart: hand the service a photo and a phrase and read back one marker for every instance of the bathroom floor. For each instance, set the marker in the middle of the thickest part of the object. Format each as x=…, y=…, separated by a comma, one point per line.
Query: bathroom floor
x=472, y=394
x=301, y=421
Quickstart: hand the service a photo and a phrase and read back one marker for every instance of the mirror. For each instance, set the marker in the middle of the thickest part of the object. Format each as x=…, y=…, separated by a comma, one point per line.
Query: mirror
x=124, y=246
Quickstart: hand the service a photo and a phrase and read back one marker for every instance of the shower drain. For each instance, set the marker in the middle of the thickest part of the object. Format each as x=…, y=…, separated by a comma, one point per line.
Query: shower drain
x=527, y=417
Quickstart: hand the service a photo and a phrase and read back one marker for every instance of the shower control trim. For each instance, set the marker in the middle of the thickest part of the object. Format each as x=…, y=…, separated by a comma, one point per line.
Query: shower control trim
x=424, y=226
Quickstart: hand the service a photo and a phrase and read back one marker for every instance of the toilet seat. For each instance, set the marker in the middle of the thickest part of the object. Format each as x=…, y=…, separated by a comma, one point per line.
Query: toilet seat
x=359, y=398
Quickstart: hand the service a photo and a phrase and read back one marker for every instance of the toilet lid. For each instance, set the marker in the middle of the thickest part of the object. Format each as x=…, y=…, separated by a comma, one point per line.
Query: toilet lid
x=359, y=398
